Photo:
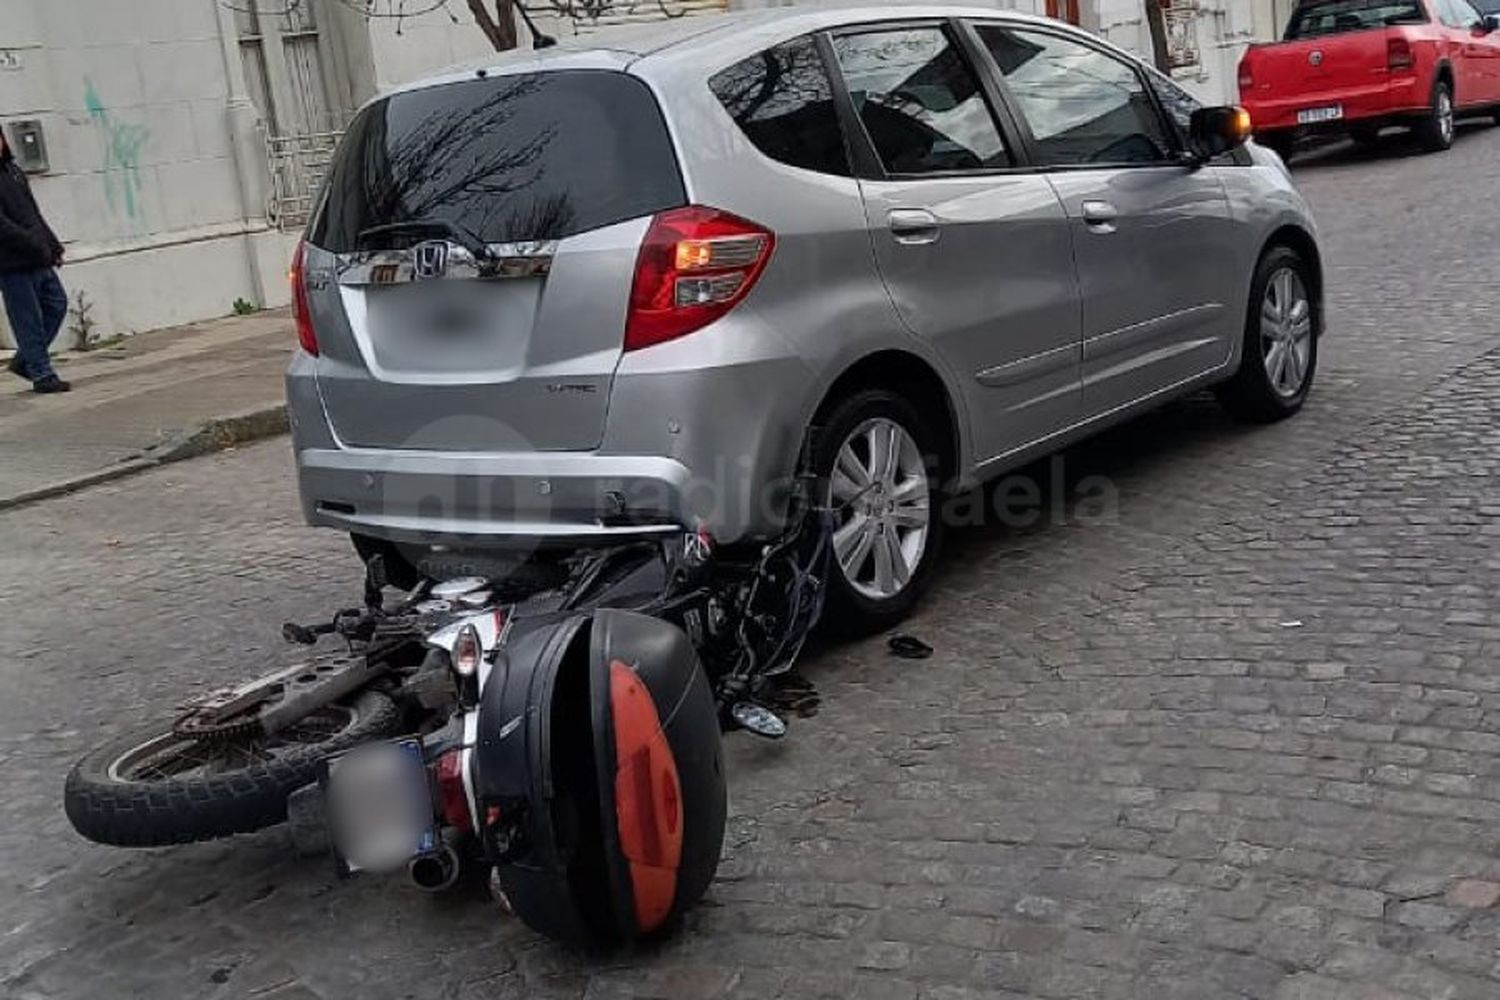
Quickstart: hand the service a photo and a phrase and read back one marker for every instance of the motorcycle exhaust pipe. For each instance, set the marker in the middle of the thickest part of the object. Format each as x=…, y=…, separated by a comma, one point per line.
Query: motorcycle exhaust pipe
x=435, y=872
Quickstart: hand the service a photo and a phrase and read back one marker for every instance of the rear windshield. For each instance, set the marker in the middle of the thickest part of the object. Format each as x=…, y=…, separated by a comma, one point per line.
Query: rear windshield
x=508, y=159
x=1333, y=17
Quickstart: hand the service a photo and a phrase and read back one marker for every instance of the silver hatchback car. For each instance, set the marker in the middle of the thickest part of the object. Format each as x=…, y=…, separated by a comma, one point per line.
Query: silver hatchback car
x=619, y=286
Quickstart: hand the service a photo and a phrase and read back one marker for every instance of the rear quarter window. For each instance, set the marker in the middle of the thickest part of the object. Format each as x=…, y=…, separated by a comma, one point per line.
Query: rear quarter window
x=533, y=156
x=1331, y=17
x=782, y=99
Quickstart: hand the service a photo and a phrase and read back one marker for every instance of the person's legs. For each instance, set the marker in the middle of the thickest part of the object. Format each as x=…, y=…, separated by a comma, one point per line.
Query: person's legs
x=54, y=302
x=24, y=310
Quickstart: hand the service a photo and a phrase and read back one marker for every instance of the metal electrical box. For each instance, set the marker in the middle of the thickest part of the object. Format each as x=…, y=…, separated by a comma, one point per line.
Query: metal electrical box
x=28, y=144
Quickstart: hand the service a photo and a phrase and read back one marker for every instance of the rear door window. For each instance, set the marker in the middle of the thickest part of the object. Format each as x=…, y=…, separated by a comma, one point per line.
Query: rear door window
x=920, y=102
x=535, y=156
x=782, y=100
x=1331, y=17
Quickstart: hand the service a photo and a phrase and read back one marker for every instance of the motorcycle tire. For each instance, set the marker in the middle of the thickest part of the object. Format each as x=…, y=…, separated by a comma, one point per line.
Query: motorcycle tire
x=116, y=796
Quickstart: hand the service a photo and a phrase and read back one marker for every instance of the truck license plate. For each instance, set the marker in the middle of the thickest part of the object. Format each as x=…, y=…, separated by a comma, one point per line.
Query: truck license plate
x=1312, y=116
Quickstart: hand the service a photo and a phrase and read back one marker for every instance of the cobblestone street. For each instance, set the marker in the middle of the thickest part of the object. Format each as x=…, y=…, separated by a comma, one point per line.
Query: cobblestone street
x=1239, y=739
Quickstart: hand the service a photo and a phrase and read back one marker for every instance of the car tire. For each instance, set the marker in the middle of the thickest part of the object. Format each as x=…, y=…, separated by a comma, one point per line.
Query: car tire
x=874, y=455
x=1436, y=130
x=1279, y=356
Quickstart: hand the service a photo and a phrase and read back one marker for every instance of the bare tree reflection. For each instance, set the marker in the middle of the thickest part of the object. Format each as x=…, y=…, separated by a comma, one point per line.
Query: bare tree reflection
x=506, y=159
x=783, y=100
x=457, y=160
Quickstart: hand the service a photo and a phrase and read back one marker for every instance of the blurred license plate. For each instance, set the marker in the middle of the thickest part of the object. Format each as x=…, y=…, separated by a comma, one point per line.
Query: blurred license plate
x=379, y=806
x=1311, y=116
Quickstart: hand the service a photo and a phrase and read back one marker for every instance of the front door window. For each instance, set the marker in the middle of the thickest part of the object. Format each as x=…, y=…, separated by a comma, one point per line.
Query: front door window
x=1083, y=106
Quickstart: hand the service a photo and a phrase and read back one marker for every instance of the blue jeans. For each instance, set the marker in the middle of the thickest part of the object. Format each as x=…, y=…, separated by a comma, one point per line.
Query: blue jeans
x=36, y=306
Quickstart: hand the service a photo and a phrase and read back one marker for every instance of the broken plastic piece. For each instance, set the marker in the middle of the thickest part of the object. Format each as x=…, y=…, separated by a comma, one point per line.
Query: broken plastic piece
x=909, y=647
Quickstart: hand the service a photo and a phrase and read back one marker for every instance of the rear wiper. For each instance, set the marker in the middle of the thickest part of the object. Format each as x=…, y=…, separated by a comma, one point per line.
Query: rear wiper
x=463, y=237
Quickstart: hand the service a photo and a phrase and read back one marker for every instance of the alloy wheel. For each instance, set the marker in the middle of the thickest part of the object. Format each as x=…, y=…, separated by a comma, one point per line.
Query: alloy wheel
x=879, y=490
x=1286, y=332
x=1446, y=123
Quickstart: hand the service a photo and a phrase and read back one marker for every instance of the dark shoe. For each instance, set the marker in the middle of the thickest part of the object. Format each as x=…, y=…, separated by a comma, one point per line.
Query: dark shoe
x=16, y=367
x=51, y=384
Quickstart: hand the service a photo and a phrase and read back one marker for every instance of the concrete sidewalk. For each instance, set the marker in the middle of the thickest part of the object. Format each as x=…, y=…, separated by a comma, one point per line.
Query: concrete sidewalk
x=153, y=398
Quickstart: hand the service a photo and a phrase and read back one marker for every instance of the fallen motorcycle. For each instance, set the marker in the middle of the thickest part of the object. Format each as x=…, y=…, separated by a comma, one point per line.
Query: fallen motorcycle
x=560, y=725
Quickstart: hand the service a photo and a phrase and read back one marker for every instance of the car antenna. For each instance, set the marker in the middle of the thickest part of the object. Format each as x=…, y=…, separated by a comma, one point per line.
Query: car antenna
x=539, y=39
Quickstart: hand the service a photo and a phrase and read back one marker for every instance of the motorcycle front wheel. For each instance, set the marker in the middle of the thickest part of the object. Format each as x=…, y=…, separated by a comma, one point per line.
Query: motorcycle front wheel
x=153, y=787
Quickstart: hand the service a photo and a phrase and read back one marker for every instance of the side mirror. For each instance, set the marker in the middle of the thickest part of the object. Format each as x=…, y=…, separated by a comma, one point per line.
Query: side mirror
x=1488, y=24
x=1215, y=131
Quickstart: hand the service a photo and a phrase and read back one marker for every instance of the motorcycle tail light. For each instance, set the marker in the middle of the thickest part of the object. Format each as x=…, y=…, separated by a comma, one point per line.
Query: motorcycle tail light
x=467, y=652
x=453, y=798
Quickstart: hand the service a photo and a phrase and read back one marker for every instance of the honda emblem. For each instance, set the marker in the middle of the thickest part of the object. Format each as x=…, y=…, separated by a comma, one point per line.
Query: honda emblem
x=430, y=259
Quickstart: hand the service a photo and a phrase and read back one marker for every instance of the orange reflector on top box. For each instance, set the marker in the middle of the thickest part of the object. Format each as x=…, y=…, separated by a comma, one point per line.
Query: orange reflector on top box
x=648, y=798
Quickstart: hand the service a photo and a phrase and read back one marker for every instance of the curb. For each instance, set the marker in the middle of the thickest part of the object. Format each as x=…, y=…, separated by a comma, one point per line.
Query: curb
x=214, y=435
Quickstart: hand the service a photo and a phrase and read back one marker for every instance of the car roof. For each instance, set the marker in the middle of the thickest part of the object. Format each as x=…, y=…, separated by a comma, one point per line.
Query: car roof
x=676, y=40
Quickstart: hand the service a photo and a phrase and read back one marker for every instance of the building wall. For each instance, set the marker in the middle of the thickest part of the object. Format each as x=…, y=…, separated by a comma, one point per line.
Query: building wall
x=422, y=45
x=142, y=187
x=1220, y=31
x=157, y=181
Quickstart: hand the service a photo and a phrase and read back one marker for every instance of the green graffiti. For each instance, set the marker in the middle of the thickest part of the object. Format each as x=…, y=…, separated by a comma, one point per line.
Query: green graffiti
x=122, y=154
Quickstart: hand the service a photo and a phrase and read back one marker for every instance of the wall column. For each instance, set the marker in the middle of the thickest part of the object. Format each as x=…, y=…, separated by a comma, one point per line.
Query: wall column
x=247, y=151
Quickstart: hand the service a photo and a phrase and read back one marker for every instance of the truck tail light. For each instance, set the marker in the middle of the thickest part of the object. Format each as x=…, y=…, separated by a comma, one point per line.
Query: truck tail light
x=1398, y=53
x=695, y=265
x=306, y=336
x=1247, y=78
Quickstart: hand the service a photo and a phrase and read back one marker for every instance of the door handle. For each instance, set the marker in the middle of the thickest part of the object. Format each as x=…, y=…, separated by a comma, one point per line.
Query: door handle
x=1100, y=216
x=913, y=226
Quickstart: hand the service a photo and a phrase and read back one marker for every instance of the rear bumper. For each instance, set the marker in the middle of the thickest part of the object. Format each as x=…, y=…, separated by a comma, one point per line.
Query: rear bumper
x=492, y=499
x=688, y=443
x=1389, y=102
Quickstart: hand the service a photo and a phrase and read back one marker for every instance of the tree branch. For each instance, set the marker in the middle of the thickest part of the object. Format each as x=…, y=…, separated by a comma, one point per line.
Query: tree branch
x=500, y=27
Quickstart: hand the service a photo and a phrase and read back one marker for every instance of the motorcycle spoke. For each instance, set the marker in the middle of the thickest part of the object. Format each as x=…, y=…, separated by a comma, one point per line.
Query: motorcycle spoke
x=168, y=756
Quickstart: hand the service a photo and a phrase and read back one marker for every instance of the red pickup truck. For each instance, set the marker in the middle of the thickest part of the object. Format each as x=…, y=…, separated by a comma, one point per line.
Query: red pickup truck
x=1356, y=66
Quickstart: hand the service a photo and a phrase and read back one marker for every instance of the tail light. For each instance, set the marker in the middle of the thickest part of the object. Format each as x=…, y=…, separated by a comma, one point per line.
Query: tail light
x=695, y=265
x=452, y=796
x=305, y=334
x=1398, y=53
x=467, y=652
x=1247, y=77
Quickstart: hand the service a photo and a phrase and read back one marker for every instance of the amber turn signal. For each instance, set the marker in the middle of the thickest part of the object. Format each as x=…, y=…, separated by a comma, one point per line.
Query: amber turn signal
x=1241, y=127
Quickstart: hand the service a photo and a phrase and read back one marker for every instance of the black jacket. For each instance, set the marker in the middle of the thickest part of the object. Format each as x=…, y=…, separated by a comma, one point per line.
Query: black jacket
x=27, y=243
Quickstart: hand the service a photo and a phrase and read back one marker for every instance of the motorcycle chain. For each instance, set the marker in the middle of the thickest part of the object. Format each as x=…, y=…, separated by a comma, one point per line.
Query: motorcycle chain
x=192, y=726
